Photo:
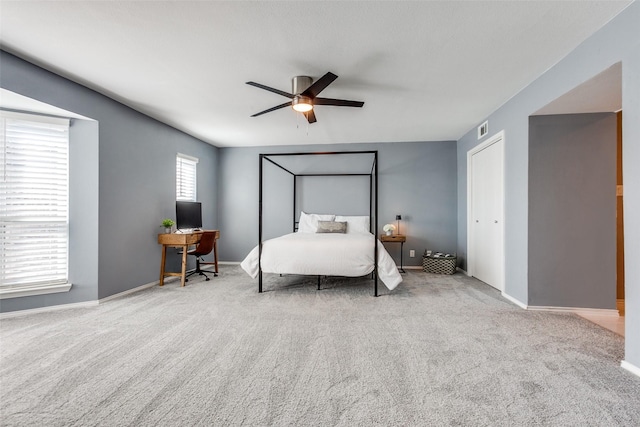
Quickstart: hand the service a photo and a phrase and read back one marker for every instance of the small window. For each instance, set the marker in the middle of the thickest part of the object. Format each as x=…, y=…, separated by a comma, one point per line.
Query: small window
x=186, y=177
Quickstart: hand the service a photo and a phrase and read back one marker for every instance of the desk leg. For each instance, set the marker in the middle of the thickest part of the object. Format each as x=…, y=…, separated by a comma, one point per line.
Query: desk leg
x=164, y=258
x=184, y=264
x=215, y=256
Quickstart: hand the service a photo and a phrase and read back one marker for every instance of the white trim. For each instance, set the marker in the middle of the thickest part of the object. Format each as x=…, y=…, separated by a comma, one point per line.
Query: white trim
x=411, y=267
x=84, y=304
x=575, y=310
x=629, y=367
x=463, y=271
x=229, y=262
x=95, y=302
x=513, y=300
x=145, y=286
x=188, y=157
x=31, y=290
x=500, y=136
x=31, y=311
x=133, y=290
x=62, y=121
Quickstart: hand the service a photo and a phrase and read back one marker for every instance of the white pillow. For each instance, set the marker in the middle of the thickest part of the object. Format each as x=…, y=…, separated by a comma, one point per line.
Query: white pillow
x=309, y=222
x=355, y=224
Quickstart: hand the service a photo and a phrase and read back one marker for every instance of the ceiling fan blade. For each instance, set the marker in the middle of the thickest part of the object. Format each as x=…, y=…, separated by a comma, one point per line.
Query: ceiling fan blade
x=319, y=85
x=270, y=89
x=277, y=107
x=311, y=116
x=337, y=102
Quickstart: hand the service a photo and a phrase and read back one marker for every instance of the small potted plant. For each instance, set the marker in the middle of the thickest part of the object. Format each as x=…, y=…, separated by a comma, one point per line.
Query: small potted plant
x=167, y=224
x=389, y=228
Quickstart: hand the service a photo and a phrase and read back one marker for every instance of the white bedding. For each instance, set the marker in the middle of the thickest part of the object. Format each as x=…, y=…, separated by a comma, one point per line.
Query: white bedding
x=330, y=254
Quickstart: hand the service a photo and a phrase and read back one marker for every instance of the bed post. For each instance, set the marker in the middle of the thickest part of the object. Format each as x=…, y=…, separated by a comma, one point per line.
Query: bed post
x=375, y=240
x=294, y=203
x=260, y=227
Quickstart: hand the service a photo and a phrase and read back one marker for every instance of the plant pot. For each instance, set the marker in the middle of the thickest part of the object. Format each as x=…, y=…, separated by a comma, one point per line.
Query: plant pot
x=389, y=233
x=167, y=230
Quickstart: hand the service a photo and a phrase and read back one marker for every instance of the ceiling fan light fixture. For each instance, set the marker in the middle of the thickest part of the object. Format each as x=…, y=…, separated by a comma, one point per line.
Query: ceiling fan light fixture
x=302, y=104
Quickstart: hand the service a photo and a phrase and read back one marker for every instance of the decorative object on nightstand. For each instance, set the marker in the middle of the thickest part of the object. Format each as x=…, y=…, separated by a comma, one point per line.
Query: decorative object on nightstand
x=388, y=229
x=167, y=224
x=398, y=218
x=398, y=238
x=439, y=263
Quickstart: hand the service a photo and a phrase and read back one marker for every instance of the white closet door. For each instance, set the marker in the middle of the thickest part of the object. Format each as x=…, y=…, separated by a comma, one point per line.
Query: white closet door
x=487, y=198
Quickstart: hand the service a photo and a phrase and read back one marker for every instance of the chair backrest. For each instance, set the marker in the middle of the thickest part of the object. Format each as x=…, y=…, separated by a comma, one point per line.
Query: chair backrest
x=206, y=243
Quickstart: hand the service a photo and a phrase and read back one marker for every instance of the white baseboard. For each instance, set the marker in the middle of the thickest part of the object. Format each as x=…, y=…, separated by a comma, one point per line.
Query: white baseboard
x=462, y=271
x=229, y=262
x=411, y=267
x=31, y=311
x=134, y=290
x=146, y=286
x=629, y=367
x=515, y=301
x=86, y=304
x=575, y=310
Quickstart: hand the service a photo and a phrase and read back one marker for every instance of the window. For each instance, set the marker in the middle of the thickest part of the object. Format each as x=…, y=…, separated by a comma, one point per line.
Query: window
x=34, y=204
x=186, y=177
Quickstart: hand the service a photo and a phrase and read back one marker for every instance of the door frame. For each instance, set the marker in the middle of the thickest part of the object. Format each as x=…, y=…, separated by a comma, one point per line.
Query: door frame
x=497, y=137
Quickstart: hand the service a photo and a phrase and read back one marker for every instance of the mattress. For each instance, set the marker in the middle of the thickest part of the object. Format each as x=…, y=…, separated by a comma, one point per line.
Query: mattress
x=323, y=254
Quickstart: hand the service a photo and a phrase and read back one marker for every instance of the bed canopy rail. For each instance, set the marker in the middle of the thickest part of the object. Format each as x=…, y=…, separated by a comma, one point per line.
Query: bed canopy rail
x=371, y=172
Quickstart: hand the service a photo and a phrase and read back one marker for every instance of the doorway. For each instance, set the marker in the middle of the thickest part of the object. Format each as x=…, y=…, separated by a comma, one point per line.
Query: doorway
x=601, y=94
x=485, y=211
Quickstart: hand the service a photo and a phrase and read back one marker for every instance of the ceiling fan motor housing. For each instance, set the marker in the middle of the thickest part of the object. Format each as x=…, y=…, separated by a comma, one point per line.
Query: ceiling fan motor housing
x=304, y=95
x=300, y=83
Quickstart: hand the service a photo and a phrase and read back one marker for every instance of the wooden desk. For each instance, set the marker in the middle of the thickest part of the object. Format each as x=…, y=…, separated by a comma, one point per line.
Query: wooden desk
x=401, y=238
x=184, y=240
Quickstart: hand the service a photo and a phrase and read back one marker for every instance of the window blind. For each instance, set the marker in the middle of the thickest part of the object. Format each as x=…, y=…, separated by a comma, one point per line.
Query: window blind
x=34, y=200
x=186, y=177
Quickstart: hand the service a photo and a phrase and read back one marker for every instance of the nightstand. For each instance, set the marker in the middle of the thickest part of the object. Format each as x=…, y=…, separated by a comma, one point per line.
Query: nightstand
x=398, y=238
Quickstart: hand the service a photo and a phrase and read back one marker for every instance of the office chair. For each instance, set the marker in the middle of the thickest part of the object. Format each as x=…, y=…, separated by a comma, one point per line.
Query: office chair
x=205, y=246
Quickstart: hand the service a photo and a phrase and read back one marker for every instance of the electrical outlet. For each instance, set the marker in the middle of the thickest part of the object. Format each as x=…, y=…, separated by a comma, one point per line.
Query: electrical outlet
x=412, y=253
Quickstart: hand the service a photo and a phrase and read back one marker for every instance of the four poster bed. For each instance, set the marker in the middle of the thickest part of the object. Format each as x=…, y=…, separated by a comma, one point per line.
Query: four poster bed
x=325, y=245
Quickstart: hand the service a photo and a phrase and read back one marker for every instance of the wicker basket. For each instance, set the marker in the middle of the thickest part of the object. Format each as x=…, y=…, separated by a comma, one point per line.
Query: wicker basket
x=439, y=265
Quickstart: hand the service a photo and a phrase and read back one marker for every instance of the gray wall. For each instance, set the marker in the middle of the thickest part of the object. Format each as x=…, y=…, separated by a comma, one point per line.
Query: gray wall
x=127, y=186
x=416, y=179
x=618, y=41
x=572, y=210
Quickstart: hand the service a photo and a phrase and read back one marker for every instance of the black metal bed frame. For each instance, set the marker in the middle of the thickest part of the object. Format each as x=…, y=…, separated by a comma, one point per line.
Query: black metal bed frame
x=373, y=201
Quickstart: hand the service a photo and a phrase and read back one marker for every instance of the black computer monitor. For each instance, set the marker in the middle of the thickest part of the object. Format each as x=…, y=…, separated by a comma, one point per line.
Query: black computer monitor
x=188, y=215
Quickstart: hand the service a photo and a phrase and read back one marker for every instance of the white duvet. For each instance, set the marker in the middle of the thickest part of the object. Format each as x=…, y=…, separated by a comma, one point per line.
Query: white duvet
x=330, y=254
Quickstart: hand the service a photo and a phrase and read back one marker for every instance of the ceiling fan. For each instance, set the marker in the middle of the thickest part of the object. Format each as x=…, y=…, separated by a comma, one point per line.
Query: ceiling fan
x=304, y=96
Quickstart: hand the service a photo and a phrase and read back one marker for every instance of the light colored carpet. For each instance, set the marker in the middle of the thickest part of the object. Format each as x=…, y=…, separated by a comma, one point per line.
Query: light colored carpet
x=439, y=350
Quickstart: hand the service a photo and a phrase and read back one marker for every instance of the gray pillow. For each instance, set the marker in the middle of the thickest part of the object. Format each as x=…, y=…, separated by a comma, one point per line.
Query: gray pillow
x=331, y=227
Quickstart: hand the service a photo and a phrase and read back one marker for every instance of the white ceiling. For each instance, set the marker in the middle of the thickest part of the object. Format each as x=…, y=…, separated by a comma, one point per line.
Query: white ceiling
x=426, y=71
